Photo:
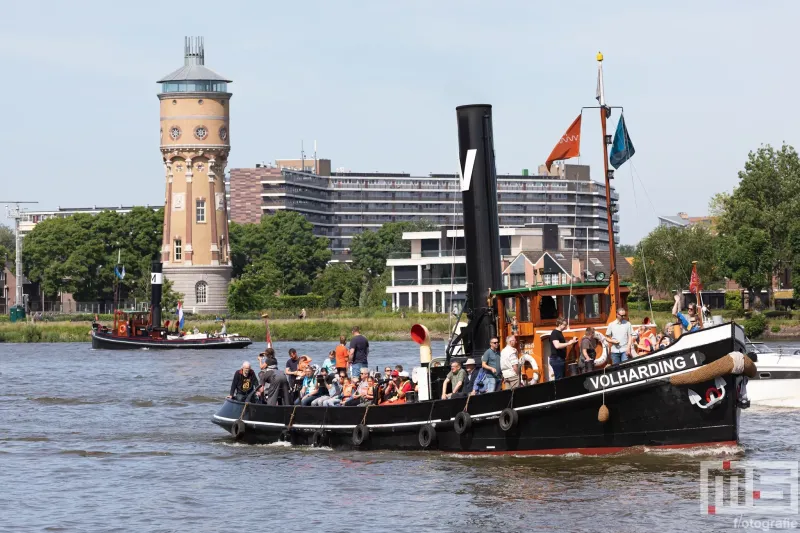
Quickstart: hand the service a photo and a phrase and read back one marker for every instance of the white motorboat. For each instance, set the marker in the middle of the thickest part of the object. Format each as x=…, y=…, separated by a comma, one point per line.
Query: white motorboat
x=778, y=381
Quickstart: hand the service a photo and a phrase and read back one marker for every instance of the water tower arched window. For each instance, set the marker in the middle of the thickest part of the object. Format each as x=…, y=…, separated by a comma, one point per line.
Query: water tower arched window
x=200, y=292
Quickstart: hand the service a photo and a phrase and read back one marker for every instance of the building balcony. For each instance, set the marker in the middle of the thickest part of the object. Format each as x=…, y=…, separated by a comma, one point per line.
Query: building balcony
x=427, y=253
x=458, y=280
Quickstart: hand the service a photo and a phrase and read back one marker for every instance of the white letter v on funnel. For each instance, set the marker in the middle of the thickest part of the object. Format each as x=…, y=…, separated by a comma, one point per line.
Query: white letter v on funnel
x=466, y=176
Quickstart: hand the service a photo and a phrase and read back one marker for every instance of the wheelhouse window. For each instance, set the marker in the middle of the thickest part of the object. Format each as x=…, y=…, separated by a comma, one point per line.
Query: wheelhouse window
x=591, y=303
x=200, y=211
x=178, y=250
x=569, y=305
x=525, y=309
x=511, y=307
x=200, y=292
x=548, y=308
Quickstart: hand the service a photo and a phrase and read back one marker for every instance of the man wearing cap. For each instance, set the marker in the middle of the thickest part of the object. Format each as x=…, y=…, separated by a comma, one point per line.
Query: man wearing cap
x=619, y=335
x=274, y=385
x=455, y=379
x=469, y=383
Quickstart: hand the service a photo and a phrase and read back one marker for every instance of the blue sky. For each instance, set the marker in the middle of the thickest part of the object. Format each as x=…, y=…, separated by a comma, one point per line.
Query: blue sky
x=376, y=84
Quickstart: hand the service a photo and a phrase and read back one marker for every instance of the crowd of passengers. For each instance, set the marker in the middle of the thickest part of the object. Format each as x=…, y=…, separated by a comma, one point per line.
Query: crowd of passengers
x=326, y=386
x=621, y=340
x=330, y=385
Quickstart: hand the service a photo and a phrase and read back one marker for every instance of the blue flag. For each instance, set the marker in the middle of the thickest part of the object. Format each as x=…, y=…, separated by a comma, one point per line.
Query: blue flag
x=622, y=149
x=119, y=273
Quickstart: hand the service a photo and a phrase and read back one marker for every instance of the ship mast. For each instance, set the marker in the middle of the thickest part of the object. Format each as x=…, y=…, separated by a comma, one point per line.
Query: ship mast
x=605, y=111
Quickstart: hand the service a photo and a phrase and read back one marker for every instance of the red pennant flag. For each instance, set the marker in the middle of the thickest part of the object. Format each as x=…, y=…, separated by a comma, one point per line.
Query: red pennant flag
x=265, y=316
x=695, y=285
x=569, y=145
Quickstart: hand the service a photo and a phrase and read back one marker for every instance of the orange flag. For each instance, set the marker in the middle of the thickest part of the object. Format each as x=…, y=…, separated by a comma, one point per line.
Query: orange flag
x=694, y=283
x=569, y=145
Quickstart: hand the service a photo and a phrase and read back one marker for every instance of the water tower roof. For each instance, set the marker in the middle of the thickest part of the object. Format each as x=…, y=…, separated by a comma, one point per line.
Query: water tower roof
x=194, y=68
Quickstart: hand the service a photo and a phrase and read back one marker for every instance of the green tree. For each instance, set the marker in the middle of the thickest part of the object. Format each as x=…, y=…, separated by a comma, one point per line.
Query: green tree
x=77, y=254
x=339, y=285
x=286, y=239
x=371, y=249
x=765, y=202
x=369, y=252
x=376, y=292
x=669, y=252
x=255, y=288
x=626, y=250
x=746, y=257
x=248, y=242
x=5, y=256
x=8, y=244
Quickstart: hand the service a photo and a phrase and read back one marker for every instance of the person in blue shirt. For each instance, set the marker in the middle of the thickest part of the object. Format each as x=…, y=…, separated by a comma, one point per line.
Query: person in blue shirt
x=330, y=363
x=490, y=362
x=309, y=390
x=690, y=321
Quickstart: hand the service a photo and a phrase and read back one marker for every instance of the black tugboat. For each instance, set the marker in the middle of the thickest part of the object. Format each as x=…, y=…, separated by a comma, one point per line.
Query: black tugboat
x=134, y=330
x=688, y=394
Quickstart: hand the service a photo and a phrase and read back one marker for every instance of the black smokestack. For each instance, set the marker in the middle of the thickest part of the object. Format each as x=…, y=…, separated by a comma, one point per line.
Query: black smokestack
x=155, y=293
x=481, y=232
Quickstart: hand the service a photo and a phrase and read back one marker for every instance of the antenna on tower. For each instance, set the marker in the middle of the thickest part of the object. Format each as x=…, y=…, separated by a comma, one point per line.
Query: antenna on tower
x=316, y=170
x=302, y=158
x=194, y=51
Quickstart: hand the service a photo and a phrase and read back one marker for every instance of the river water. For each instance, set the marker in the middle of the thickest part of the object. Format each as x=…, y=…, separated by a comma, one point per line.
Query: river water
x=122, y=441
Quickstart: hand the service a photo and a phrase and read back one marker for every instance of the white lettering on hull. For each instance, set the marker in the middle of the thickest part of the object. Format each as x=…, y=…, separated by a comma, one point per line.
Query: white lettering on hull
x=642, y=372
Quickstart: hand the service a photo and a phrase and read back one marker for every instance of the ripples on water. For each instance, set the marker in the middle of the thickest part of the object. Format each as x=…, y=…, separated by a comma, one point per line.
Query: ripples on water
x=122, y=441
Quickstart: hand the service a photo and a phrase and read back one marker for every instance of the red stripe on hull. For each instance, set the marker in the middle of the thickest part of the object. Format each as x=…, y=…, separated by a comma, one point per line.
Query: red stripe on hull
x=602, y=450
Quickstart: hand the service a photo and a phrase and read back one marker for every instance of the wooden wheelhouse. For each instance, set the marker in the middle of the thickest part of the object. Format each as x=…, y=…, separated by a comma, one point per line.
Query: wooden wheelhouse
x=537, y=308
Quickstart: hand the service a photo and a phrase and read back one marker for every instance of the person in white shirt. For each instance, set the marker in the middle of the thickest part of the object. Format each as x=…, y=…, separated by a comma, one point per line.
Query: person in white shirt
x=619, y=335
x=509, y=363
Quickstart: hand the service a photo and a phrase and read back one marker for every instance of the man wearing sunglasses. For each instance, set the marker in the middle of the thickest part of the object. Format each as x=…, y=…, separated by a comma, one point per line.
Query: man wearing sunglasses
x=490, y=362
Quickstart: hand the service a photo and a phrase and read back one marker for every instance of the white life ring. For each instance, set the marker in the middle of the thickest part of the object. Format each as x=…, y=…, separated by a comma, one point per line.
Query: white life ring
x=600, y=360
x=534, y=367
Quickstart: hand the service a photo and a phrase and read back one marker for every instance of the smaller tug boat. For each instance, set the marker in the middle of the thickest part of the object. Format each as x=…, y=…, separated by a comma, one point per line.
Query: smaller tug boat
x=133, y=330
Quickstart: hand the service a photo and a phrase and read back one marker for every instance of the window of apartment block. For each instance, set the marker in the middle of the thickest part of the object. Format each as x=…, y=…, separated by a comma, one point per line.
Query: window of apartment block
x=200, y=211
x=178, y=252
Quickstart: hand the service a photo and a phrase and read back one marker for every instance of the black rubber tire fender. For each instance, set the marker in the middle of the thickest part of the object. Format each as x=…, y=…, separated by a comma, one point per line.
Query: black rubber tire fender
x=462, y=423
x=508, y=419
x=427, y=436
x=360, y=434
x=318, y=439
x=286, y=436
x=238, y=429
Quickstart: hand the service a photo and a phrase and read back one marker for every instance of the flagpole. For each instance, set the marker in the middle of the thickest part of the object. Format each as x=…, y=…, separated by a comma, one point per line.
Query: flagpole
x=613, y=282
x=699, y=291
x=268, y=338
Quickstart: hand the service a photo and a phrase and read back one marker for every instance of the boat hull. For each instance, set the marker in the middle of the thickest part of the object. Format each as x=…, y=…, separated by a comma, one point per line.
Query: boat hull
x=102, y=341
x=553, y=417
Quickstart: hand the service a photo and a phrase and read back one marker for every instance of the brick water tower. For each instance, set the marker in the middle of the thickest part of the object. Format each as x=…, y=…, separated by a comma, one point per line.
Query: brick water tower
x=195, y=142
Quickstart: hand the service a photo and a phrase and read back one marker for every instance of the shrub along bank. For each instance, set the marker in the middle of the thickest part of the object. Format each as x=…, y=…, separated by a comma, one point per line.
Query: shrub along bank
x=376, y=329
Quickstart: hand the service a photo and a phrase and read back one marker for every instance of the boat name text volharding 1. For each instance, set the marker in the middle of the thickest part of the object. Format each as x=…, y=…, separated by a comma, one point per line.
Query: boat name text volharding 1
x=643, y=372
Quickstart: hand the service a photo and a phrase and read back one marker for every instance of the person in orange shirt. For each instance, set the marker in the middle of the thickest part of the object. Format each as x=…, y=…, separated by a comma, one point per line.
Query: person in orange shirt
x=342, y=355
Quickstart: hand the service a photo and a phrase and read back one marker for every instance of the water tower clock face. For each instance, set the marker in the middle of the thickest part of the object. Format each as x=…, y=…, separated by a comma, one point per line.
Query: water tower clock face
x=175, y=133
x=201, y=132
